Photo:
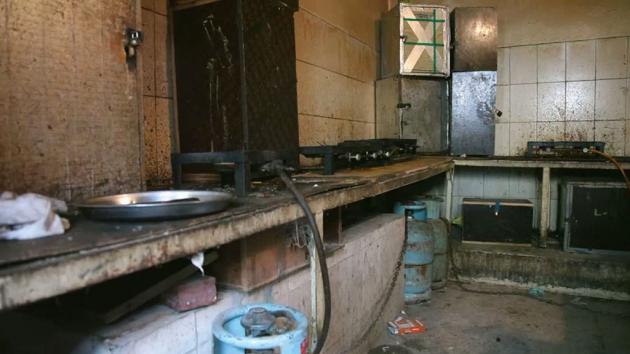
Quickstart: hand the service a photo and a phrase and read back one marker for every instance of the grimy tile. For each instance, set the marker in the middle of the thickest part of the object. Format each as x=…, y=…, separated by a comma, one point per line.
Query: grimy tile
x=327, y=94
x=520, y=134
x=551, y=101
x=150, y=139
x=502, y=139
x=581, y=60
x=610, y=99
x=357, y=17
x=551, y=62
x=523, y=65
x=503, y=104
x=613, y=133
x=523, y=103
x=503, y=66
x=163, y=138
x=580, y=100
x=611, y=58
x=321, y=44
x=147, y=53
x=162, y=88
x=580, y=130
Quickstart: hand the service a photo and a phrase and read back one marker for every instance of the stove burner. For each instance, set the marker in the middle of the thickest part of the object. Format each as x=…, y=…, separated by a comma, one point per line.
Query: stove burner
x=370, y=152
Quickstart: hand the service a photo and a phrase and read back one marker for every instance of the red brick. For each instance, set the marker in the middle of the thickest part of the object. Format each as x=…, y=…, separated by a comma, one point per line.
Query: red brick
x=195, y=293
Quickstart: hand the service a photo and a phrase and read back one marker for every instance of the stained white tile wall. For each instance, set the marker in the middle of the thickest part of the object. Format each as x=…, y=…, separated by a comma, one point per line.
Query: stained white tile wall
x=564, y=91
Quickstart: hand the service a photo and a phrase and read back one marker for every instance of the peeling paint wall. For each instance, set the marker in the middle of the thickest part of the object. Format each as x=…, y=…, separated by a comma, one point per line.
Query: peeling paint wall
x=69, y=108
x=157, y=93
x=562, y=72
x=337, y=64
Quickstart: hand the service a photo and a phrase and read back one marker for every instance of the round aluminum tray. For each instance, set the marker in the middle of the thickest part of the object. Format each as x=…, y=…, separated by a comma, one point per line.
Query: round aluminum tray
x=155, y=205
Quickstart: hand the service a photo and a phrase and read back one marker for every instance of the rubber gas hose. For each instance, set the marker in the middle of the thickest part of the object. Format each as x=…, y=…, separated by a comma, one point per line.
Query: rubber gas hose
x=614, y=162
x=277, y=168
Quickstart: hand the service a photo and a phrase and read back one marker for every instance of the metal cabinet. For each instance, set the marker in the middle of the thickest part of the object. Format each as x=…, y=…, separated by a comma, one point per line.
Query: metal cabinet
x=413, y=108
x=415, y=40
x=474, y=96
x=498, y=220
x=595, y=216
x=474, y=39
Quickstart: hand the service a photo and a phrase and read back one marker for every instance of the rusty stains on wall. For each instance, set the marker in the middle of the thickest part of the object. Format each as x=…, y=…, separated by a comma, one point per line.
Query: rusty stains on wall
x=337, y=55
x=69, y=114
x=156, y=94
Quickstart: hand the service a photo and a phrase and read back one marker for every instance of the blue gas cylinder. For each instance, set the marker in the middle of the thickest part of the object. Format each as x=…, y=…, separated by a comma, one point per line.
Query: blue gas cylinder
x=433, y=205
x=260, y=328
x=418, y=258
x=415, y=209
x=440, y=236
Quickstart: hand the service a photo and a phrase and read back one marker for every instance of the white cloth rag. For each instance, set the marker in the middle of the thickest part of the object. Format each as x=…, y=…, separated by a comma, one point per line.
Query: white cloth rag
x=29, y=216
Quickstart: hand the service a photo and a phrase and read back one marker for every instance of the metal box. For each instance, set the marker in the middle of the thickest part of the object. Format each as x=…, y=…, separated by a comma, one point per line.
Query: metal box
x=474, y=39
x=595, y=216
x=498, y=220
x=474, y=96
x=413, y=108
x=415, y=40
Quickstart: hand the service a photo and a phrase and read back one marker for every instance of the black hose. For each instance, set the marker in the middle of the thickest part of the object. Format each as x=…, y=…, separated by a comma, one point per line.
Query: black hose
x=321, y=256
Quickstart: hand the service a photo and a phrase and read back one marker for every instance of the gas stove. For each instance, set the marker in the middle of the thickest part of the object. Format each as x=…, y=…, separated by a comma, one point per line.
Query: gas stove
x=355, y=153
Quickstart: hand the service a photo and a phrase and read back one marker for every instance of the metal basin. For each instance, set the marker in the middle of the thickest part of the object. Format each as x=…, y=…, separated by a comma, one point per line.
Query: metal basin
x=155, y=205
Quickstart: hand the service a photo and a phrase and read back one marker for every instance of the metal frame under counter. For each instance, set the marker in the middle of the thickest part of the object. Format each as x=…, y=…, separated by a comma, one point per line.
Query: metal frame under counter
x=546, y=165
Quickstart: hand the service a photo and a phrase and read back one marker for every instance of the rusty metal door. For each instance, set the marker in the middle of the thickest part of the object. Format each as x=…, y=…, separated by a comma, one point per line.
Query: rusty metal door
x=423, y=113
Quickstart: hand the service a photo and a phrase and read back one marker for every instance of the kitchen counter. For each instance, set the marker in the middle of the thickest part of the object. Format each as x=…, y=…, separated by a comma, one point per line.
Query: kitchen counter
x=93, y=252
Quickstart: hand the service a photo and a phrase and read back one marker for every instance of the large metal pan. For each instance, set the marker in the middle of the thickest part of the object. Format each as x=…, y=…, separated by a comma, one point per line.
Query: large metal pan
x=155, y=205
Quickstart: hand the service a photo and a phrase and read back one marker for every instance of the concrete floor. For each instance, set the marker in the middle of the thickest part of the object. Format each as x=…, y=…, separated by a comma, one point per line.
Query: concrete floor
x=462, y=321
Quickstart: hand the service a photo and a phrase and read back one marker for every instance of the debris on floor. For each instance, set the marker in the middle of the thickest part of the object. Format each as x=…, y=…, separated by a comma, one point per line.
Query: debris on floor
x=499, y=319
x=402, y=325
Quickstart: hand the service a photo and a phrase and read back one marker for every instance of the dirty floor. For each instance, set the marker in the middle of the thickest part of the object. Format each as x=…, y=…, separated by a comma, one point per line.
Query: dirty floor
x=484, y=319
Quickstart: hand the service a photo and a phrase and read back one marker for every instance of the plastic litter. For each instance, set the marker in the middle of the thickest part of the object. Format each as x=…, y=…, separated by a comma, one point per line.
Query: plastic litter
x=403, y=325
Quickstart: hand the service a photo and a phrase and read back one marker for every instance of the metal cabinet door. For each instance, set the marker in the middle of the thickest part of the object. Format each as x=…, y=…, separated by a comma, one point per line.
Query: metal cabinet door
x=472, y=126
x=425, y=40
x=423, y=113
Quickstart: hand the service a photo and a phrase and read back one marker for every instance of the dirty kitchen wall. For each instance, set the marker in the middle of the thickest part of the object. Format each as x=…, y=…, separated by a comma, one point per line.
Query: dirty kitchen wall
x=69, y=108
x=337, y=63
x=157, y=93
x=562, y=71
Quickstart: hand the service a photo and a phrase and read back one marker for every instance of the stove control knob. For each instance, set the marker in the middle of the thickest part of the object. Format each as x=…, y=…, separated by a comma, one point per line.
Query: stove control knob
x=356, y=157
